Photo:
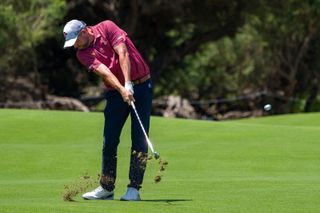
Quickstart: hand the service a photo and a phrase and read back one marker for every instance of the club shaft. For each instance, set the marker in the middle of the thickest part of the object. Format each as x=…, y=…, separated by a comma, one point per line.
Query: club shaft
x=141, y=125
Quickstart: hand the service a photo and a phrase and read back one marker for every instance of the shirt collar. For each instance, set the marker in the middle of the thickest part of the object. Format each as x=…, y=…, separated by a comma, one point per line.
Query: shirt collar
x=96, y=34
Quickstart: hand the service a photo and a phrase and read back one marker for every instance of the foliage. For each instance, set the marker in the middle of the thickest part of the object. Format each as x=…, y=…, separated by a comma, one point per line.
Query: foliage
x=227, y=66
x=198, y=49
x=268, y=53
x=26, y=24
x=7, y=35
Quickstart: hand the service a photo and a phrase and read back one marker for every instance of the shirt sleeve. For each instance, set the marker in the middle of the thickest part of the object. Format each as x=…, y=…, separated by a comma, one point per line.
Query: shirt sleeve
x=88, y=60
x=114, y=33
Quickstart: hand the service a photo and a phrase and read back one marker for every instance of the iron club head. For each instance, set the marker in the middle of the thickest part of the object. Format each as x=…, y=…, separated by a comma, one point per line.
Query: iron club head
x=156, y=155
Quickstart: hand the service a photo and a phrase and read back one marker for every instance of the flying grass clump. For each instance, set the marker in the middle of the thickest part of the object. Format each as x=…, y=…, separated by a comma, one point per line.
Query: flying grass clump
x=79, y=186
x=143, y=158
x=162, y=167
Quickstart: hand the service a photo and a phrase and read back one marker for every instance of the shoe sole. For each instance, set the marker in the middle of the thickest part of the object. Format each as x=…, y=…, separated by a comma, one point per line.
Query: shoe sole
x=111, y=197
x=121, y=199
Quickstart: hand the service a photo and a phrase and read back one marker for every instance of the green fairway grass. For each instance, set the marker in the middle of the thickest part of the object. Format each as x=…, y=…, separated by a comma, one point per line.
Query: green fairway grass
x=269, y=164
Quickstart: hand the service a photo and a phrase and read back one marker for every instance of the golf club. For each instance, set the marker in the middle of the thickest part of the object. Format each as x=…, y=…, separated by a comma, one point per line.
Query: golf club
x=155, y=154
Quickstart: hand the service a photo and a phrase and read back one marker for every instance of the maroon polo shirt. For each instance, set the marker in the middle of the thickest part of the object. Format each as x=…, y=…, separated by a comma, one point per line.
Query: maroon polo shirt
x=107, y=35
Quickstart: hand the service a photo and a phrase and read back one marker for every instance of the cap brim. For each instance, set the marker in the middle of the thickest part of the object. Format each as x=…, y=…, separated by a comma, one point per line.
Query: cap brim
x=69, y=43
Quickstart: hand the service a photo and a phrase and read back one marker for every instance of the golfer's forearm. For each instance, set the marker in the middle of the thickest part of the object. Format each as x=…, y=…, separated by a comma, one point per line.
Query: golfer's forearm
x=124, y=60
x=125, y=65
x=113, y=82
x=108, y=77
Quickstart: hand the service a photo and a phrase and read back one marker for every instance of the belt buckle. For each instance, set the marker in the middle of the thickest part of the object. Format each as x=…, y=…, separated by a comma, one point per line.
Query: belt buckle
x=135, y=82
x=141, y=80
x=138, y=81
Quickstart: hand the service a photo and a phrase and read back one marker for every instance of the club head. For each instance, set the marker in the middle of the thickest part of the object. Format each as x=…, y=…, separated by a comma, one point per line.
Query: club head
x=156, y=155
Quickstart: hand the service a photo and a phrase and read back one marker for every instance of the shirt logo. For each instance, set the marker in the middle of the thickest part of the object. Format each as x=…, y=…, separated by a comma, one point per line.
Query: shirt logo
x=93, y=53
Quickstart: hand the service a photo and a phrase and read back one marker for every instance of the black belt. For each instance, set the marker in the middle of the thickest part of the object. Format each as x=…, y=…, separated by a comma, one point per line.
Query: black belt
x=141, y=80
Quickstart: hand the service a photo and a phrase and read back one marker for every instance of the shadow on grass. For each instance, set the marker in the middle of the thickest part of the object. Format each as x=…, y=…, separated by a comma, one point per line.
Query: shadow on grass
x=169, y=201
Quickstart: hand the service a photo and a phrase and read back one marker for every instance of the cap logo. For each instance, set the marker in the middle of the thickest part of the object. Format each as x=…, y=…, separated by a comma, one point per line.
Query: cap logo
x=65, y=34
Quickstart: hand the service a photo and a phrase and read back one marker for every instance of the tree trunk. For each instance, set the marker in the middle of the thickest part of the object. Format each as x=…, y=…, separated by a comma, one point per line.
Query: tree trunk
x=36, y=77
x=313, y=95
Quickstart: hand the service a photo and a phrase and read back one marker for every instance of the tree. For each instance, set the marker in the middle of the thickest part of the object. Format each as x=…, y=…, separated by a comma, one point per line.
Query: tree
x=26, y=24
x=290, y=28
x=267, y=53
x=201, y=50
x=165, y=31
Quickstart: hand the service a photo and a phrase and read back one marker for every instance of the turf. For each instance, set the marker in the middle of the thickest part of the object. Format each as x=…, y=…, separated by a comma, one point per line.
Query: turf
x=269, y=164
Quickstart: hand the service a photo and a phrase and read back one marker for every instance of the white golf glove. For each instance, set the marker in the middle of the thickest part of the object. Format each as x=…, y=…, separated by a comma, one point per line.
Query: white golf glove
x=129, y=86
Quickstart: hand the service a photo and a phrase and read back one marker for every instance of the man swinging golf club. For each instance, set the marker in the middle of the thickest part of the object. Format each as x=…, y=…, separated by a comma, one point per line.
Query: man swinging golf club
x=106, y=50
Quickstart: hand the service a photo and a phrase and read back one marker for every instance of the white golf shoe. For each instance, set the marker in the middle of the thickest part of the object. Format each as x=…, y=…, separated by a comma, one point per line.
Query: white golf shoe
x=132, y=194
x=99, y=194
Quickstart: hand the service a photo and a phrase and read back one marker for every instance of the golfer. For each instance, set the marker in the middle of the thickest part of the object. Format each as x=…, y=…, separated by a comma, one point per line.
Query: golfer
x=107, y=51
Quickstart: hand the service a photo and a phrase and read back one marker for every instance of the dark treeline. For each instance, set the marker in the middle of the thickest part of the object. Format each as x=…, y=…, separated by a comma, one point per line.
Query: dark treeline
x=200, y=50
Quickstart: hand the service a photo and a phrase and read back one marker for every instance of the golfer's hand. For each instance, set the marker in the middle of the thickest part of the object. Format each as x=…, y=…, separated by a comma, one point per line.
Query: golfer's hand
x=126, y=96
x=129, y=86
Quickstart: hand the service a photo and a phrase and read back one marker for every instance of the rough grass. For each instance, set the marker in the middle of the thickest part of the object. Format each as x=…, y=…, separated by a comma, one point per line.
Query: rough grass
x=256, y=165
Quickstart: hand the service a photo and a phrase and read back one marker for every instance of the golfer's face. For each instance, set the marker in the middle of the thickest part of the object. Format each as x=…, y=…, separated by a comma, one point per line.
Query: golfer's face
x=82, y=41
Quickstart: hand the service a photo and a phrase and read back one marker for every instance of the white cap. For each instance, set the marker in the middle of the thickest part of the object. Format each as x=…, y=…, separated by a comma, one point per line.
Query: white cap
x=71, y=31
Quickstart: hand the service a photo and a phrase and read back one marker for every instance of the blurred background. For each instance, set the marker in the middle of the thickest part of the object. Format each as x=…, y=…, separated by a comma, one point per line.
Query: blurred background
x=210, y=59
